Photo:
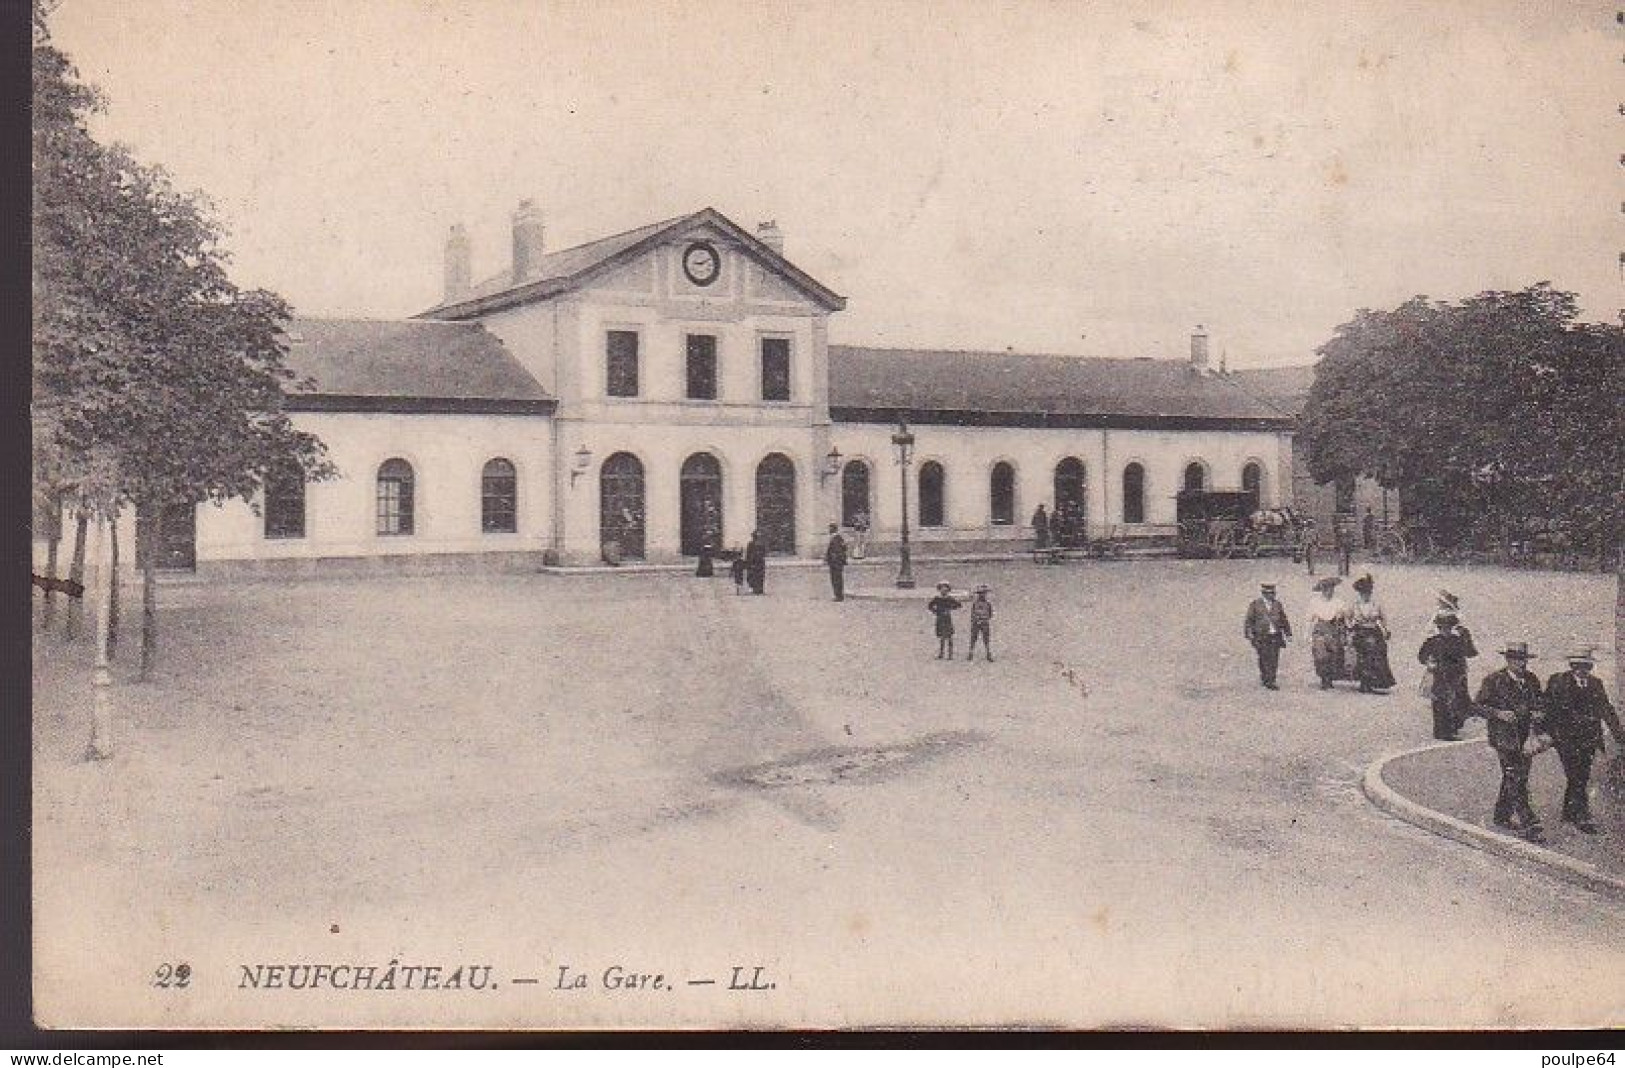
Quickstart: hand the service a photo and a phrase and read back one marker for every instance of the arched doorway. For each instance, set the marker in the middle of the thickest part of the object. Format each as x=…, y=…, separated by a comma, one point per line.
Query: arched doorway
x=1069, y=523
x=1252, y=480
x=776, y=502
x=620, y=506
x=1134, y=493
x=701, y=487
x=1195, y=475
x=1002, y=494
x=855, y=510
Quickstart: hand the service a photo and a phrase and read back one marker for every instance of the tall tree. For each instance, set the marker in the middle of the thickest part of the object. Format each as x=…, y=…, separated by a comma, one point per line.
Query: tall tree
x=1487, y=414
x=157, y=381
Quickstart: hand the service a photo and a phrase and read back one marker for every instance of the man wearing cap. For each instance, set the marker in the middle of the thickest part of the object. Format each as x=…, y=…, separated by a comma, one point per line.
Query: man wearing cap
x=1576, y=708
x=1266, y=627
x=1510, y=702
x=835, y=558
x=981, y=623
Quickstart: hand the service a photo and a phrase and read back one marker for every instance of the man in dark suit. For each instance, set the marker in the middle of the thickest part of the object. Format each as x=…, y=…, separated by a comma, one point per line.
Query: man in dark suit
x=756, y=562
x=835, y=558
x=1510, y=702
x=1576, y=708
x=1266, y=627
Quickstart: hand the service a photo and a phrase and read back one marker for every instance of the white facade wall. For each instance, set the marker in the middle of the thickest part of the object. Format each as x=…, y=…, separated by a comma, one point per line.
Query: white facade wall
x=968, y=454
x=447, y=454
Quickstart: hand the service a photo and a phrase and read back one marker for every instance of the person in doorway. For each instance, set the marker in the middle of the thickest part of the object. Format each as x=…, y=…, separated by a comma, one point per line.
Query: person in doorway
x=860, y=534
x=943, y=606
x=1328, y=618
x=1040, y=527
x=1510, y=702
x=1446, y=653
x=1576, y=708
x=835, y=560
x=736, y=570
x=707, y=566
x=1368, y=530
x=1266, y=628
x=981, y=624
x=1368, y=629
x=756, y=563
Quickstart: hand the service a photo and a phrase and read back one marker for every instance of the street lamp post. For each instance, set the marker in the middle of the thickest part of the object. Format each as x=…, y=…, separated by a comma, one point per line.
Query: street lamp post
x=905, y=450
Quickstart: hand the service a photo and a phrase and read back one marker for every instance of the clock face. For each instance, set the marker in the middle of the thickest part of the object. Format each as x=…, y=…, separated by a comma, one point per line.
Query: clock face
x=701, y=264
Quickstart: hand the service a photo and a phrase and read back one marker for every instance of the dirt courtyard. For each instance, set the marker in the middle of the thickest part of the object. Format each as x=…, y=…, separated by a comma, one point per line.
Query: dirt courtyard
x=1112, y=824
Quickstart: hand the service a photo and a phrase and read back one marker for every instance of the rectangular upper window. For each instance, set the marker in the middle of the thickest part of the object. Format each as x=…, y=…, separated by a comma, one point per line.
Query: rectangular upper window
x=775, y=369
x=702, y=367
x=622, y=363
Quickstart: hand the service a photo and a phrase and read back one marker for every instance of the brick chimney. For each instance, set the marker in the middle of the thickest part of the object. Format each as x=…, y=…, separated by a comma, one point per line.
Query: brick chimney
x=769, y=234
x=527, y=241
x=1199, y=350
x=459, y=264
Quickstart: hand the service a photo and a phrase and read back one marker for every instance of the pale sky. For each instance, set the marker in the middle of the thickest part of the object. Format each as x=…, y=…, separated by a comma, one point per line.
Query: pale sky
x=1091, y=178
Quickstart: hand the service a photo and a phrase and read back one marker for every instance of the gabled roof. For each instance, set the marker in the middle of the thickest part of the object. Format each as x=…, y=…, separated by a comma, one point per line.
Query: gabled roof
x=369, y=364
x=1287, y=388
x=568, y=269
x=1010, y=389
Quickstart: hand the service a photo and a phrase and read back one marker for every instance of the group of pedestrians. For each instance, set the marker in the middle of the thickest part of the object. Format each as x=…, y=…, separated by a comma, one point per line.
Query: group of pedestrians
x=1347, y=641
x=1350, y=641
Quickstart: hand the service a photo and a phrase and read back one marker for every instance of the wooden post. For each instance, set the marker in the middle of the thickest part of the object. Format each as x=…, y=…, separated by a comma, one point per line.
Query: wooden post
x=52, y=548
x=101, y=714
x=76, y=570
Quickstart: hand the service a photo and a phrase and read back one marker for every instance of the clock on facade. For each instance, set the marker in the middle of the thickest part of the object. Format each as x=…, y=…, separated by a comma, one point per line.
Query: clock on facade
x=701, y=264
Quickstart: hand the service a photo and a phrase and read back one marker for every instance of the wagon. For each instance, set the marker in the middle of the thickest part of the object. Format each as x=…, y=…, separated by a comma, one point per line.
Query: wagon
x=1226, y=523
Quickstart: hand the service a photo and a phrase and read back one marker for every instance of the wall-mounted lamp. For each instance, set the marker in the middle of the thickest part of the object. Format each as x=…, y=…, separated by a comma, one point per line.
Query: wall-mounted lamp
x=583, y=461
x=832, y=465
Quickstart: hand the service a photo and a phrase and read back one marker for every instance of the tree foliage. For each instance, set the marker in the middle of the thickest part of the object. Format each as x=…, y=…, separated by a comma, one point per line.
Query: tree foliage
x=1487, y=413
x=156, y=379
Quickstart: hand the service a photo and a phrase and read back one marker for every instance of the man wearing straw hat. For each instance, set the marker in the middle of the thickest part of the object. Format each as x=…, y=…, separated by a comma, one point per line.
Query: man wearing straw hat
x=1266, y=629
x=1510, y=702
x=1576, y=708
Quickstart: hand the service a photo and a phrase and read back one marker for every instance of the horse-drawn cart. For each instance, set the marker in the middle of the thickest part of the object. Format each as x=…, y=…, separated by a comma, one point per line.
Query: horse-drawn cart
x=1226, y=523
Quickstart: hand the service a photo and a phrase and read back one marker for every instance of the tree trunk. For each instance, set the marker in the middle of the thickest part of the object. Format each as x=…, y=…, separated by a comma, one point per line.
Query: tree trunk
x=76, y=572
x=101, y=715
x=149, y=592
x=52, y=546
x=113, y=594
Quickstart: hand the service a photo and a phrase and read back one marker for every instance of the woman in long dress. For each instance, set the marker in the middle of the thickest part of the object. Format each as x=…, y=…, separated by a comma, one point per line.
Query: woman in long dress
x=1370, y=630
x=1329, y=617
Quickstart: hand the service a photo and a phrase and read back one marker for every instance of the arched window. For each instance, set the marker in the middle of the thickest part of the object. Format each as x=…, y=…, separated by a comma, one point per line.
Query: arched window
x=776, y=502
x=1134, y=493
x=1002, y=494
x=499, y=498
x=1195, y=475
x=1252, y=480
x=855, y=496
x=620, y=507
x=700, y=483
x=285, y=503
x=395, y=498
x=931, y=494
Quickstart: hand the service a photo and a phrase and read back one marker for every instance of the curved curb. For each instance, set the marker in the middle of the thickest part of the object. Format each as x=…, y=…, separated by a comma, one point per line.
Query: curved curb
x=1389, y=800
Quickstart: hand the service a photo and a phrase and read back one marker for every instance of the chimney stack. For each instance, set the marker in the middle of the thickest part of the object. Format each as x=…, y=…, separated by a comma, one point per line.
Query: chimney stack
x=1199, y=350
x=459, y=264
x=769, y=234
x=527, y=241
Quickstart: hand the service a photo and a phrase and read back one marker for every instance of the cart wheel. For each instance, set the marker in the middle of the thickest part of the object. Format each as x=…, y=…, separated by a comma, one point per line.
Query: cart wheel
x=1250, y=545
x=1224, y=545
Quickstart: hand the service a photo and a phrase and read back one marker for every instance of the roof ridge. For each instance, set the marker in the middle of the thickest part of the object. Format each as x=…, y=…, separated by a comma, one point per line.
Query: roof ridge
x=1006, y=352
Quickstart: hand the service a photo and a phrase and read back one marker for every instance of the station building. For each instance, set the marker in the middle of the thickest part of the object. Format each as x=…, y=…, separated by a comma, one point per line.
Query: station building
x=641, y=395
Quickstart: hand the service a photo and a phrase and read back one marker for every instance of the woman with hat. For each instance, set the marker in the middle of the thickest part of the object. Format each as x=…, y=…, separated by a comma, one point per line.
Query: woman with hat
x=1510, y=702
x=1369, y=629
x=1446, y=654
x=1576, y=708
x=1328, y=617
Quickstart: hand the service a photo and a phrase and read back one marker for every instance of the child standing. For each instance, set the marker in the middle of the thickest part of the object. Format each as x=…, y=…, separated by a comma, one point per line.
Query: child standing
x=943, y=607
x=981, y=623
